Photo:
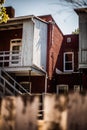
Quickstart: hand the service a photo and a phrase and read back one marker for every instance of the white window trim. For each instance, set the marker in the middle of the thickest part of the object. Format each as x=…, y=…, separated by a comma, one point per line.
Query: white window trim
x=72, y=61
x=68, y=39
x=11, y=45
x=61, y=87
x=76, y=88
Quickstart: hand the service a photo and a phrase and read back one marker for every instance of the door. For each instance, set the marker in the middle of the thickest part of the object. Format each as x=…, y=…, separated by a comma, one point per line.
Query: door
x=15, y=52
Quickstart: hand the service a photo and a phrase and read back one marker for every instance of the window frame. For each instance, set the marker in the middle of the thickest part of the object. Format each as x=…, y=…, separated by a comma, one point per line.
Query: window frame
x=64, y=62
x=68, y=39
x=63, y=87
x=24, y=83
x=13, y=43
x=76, y=88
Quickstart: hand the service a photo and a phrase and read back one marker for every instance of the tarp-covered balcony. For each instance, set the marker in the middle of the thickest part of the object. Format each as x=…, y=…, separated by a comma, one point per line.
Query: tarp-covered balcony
x=12, y=61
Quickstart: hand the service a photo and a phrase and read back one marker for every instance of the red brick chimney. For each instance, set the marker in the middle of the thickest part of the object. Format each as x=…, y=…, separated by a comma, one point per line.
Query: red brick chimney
x=10, y=11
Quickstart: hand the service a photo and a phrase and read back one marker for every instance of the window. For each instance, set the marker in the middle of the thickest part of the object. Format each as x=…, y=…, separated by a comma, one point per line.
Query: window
x=68, y=61
x=61, y=89
x=26, y=85
x=15, y=50
x=76, y=88
x=68, y=39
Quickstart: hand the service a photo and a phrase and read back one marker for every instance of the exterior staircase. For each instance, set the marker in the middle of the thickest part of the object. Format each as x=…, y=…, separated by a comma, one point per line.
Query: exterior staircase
x=8, y=85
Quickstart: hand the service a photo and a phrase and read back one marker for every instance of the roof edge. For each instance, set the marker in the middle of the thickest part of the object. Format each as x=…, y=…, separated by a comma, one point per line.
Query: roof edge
x=80, y=10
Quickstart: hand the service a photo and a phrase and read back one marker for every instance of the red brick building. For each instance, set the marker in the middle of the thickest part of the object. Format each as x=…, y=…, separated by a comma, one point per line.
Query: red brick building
x=55, y=40
x=37, y=57
x=67, y=71
x=29, y=47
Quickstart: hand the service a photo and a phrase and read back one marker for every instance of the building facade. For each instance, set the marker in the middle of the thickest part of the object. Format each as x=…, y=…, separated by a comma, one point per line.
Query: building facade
x=35, y=56
x=29, y=47
x=71, y=69
x=82, y=13
x=67, y=71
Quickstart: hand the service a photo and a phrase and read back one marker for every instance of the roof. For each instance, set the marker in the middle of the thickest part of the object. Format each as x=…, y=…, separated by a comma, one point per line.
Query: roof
x=18, y=21
x=80, y=10
x=25, y=18
x=51, y=20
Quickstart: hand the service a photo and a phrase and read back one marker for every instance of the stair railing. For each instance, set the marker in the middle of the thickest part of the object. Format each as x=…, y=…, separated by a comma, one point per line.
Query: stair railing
x=11, y=83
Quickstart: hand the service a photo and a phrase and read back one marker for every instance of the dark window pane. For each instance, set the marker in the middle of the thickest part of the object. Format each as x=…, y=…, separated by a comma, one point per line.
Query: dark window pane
x=26, y=85
x=15, y=48
x=68, y=66
x=68, y=57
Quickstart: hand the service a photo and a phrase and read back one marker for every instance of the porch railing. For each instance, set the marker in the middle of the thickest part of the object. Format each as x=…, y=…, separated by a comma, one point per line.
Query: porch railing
x=10, y=58
x=83, y=56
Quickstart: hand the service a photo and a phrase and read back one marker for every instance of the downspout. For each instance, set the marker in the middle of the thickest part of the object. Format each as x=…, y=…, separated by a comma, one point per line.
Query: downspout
x=46, y=83
x=32, y=19
x=29, y=80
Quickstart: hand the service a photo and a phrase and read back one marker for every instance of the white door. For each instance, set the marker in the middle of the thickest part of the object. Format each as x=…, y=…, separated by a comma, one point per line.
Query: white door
x=15, y=52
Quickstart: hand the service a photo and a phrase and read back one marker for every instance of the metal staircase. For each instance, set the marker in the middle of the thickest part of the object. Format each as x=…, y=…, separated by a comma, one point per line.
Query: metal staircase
x=8, y=86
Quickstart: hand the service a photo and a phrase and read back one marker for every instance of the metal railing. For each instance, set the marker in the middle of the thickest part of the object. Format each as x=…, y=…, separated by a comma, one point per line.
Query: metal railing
x=9, y=85
x=8, y=58
x=83, y=56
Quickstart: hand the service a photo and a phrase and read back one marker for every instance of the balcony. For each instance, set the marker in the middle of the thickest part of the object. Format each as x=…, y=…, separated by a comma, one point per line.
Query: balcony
x=10, y=58
x=83, y=58
x=12, y=61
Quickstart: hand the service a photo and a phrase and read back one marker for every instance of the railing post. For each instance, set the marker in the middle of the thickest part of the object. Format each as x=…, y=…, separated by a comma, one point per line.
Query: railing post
x=57, y=89
x=0, y=75
x=14, y=87
x=2, y=82
x=4, y=88
x=46, y=83
x=3, y=58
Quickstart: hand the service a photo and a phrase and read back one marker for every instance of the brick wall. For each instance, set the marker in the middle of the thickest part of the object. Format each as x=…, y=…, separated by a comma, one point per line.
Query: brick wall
x=73, y=46
x=55, y=38
x=54, y=49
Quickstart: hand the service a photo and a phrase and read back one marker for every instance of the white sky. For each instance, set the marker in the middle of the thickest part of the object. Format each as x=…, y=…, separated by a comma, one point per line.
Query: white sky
x=64, y=16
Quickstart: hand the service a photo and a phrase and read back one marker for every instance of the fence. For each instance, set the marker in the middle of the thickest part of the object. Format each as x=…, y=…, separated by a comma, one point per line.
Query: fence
x=60, y=112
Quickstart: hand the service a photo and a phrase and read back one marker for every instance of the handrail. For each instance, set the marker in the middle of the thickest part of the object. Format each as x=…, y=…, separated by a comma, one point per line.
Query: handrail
x=5, y=90
x=10, y=84
x=14, y=82
x=3, y=52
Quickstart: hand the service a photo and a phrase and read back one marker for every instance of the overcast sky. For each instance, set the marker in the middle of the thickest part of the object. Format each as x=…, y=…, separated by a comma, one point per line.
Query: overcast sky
x=63, y=14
